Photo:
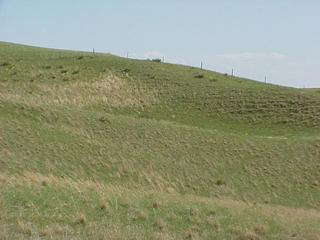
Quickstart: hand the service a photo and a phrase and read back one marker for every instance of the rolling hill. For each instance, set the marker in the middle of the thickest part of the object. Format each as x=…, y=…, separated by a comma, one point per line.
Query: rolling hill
x=103, y=147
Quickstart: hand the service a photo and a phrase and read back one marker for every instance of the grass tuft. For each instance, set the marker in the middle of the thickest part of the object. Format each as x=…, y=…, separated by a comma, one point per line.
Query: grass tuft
x=160, y=225
x=81, y=220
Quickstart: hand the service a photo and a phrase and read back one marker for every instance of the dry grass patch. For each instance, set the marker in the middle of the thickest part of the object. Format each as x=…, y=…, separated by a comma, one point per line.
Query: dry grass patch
x=259, y=229
x=194, y=212
x=104, y=206
x=156, y=205
x=81, y=219
x=163, y=236
x=248, y=235
x=213, y=223
x=24, y=228
x=191, y=235
x=53, y=231
x=140, y=215
x=107, y=89
x=160, y=225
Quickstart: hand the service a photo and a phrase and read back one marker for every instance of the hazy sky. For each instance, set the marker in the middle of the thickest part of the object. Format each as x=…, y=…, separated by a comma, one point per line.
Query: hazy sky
x=277, y=38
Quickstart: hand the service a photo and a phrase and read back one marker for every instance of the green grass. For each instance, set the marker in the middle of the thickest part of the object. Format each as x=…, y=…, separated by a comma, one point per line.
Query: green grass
x=223, y=157
x=61, y=208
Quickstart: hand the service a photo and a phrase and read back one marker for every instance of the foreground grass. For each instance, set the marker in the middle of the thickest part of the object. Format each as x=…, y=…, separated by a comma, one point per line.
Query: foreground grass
x=157, y=155
x=36, y=206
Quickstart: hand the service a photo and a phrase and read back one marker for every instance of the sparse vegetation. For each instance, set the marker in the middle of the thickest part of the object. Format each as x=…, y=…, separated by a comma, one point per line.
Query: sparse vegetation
x=113, y=148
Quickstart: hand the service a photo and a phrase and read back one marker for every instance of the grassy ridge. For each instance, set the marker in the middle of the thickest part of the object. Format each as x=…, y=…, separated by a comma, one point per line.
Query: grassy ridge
x=170, y=92
x=142, y=131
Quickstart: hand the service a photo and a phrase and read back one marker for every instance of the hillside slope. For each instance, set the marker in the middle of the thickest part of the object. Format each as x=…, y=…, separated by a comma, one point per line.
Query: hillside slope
x=140, y=150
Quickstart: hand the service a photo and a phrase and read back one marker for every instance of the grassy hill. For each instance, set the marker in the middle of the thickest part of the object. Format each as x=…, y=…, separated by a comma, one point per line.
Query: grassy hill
x=102, y=147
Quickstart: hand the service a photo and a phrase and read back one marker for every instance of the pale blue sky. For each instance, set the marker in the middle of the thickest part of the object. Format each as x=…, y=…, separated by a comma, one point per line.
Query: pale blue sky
x=277, y=38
